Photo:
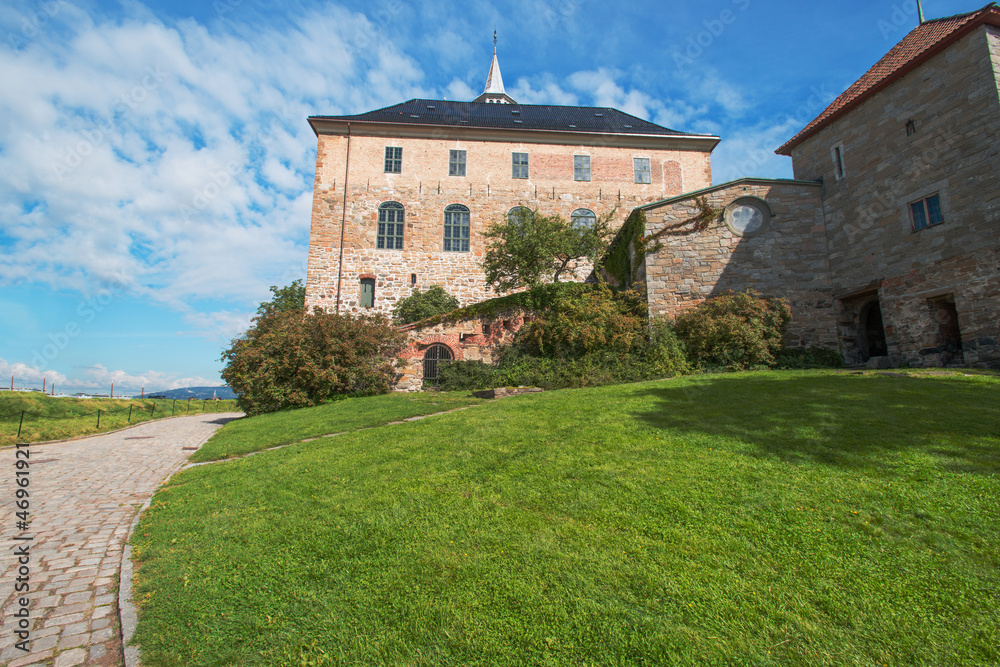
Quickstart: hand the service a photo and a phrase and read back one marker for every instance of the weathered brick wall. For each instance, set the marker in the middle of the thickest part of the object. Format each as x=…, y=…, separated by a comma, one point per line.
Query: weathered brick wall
x=470, y=339
x=787, y=259
x=954, y=103
x=425, y=189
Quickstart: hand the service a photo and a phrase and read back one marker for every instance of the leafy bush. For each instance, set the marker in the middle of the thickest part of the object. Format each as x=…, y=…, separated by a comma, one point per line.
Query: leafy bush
x=419, y=305
x=291, y=359
x=736, y=330
x=580, y=323
x=813, y=357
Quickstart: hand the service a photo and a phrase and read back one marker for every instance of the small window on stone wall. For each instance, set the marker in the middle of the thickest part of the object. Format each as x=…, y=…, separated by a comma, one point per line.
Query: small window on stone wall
x=926, y=212
x=748, y=216
x=837, y=155
x=367, y=292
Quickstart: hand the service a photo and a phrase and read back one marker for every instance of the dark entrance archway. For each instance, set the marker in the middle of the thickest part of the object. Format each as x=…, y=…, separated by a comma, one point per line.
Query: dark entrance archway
x=432, y=356
x=872, y=331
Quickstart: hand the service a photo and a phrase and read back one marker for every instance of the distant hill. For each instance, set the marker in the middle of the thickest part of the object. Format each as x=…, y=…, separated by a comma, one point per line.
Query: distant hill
x=185, y=393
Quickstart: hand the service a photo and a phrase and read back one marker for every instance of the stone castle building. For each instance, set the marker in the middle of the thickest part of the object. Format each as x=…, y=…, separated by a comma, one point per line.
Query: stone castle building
x=403, y=194
x=885, y=243
x=888, y=241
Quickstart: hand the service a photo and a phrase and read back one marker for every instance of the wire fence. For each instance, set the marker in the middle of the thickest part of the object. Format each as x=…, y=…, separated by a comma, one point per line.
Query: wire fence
x=91, y=420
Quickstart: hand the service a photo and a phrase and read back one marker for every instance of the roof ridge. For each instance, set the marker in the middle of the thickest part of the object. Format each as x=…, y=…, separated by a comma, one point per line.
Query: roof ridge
x=910, y=51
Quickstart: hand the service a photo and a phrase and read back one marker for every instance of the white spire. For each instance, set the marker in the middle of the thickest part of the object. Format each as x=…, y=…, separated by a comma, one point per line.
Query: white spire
x=494, y=91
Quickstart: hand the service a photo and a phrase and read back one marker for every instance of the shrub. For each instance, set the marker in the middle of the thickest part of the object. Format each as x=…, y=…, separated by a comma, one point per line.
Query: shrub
x=291, y=359
x=581, y=323
x=813, y=357
x=736, y=330
x=419, y=305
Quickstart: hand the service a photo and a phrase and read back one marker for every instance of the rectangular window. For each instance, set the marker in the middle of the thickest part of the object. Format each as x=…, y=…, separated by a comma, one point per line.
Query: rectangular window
x=519, y=165
x=456, y=163
x=837, y=155
x=456, y=228
x=393, y=159
x=367, y=292
x=581, y=167
x=641, y=167
x=926, y=212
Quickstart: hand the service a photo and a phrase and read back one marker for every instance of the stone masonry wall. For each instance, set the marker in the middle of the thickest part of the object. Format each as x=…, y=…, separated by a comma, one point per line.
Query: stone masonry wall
x=472, y=339
x=786, y=259
x=425, y=189
x=953, y=152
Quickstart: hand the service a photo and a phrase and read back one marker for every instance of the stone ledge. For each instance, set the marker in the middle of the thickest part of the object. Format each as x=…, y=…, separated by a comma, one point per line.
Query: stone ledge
x=501, y=392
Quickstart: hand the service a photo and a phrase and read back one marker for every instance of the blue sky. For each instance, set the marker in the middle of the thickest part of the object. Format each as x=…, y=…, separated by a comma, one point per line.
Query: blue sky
x=156, y=166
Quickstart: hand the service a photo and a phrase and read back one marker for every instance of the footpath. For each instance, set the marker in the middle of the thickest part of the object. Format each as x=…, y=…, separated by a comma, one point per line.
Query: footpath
x=84, y=495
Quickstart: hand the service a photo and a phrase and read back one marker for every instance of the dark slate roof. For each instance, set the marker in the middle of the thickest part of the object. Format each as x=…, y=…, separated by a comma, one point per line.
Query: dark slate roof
x=923, y=42
x=601, y=120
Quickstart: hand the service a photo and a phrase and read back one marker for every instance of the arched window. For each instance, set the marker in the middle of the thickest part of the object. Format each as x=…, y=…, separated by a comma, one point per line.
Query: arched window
x=456, y=228
x=432, y=356
x=583, y=218
x=515, y=213
x=390, y=226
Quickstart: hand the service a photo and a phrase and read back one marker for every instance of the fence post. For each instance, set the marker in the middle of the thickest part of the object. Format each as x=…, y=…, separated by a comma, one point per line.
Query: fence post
x=98, y=418
x=203, y=405
x=172, y=407
x=20, y=425
x=129, y=413
x=152, y=410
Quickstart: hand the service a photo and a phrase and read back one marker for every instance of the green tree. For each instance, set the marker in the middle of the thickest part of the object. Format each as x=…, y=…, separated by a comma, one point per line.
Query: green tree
x=527, y=248
x=292, y=359
x=290, y=297
x=419, y=305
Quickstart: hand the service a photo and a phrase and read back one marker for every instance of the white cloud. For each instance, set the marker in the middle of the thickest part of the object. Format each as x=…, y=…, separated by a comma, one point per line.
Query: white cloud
x=177, y=153
x=27, y=376
x=99, y=378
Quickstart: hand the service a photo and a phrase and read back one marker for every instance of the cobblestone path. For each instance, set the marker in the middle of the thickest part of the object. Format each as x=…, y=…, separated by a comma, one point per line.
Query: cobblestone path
x=84, y=496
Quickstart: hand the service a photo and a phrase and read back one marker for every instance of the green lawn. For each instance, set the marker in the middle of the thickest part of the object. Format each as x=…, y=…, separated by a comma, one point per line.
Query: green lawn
x=51, y=418
x=783, y=518
x=281, y=428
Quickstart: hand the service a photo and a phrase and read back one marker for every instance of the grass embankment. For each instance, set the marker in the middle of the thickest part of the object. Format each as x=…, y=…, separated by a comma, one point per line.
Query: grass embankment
x=244, y=436
x=50, y=418
x=782, y=518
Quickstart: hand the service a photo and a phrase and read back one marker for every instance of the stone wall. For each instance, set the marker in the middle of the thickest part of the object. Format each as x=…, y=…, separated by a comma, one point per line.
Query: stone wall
x=787, y=258
x=470, y=339
x=949, y=150
x=489, y=191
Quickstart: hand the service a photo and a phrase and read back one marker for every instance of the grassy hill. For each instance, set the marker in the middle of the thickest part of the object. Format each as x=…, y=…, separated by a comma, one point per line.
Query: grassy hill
x=782, y=518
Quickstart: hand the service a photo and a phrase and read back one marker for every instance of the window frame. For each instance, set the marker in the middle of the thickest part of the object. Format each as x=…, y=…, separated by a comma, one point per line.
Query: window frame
x=519, y=167
x=924, y=203
x=393, y=160
x=456, y=162
x=384, y=241
x=591, y=216
x=578, y=167
x=637, y=162
x=463, y=224
x=361, y=294
x=839, y=165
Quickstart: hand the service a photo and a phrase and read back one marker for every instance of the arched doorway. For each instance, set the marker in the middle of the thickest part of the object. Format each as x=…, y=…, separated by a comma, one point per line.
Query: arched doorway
x=872, y=331
x=432, y=356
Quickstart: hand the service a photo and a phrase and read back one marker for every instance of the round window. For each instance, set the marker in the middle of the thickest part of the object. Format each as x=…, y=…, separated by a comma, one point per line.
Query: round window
x=747, y=216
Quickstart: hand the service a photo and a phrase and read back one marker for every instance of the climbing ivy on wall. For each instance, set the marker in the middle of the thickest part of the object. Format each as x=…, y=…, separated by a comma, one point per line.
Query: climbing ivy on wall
x=618, y=263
